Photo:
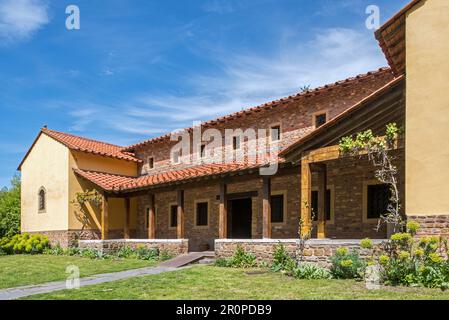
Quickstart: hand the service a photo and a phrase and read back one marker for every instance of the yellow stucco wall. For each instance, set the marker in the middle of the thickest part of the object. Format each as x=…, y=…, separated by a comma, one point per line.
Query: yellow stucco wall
x=116, y=205
x=46, y=166
x=427, y=111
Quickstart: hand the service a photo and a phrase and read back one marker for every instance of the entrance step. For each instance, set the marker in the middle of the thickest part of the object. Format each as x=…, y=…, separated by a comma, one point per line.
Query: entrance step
x=186, y=259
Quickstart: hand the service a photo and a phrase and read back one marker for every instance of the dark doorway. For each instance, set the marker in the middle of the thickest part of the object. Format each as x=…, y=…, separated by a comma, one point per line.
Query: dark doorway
x=239, y=218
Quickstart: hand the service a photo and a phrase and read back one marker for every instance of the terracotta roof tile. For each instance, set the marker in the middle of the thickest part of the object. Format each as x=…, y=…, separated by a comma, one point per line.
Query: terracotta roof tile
x=391, y=37
x=90, y=146
x=117, y=183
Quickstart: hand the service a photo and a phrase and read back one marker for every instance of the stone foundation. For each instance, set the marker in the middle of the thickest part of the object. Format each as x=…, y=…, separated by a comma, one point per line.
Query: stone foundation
x=69, y=238
x=315, y=251
x=435, y=225
x=174, y=247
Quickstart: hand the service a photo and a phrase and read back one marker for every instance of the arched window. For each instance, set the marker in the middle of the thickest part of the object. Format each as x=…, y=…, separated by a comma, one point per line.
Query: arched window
x=42, y=199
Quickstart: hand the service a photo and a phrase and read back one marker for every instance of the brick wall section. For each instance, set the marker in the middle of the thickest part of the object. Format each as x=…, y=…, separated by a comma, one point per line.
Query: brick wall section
x=437, y=225
x=347, y=177
x=174, y=247
x=202, y=238
x=316, y=251
x=294, y=115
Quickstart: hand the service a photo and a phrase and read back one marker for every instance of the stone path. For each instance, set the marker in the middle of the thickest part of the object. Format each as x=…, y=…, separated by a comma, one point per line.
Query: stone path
x=19, y=292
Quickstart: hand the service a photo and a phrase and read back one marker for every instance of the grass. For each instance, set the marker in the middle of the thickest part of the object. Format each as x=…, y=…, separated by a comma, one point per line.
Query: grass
x=206, y=282
x=19, y=270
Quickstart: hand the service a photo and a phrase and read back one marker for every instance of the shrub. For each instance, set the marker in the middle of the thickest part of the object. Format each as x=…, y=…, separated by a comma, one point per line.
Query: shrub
x=24, y=243
x=410, y=262
x=311, y=272
x=144, y=253
x=240, y=259
x=164, y=255
x=10, y=210
x=223, y=263
x=126, y=252
x=91, y=253
x=282, y=261
x=347, y=265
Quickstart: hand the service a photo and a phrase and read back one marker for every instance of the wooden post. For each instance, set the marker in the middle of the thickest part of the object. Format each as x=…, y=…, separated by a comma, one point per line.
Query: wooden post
x=322, y=191
x=127, y=214
x=306, y=196
x=151, y=218
x=180, y=227
x=104, y=218
x=223, y=213
x=266, y=204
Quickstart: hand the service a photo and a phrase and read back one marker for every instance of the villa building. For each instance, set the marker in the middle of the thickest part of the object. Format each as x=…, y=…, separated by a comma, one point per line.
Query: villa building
x=158, y=194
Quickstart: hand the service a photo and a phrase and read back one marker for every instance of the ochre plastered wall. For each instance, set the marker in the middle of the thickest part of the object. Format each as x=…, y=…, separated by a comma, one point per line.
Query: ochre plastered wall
x=427, y=111
x=46, y=166
x=116, y=205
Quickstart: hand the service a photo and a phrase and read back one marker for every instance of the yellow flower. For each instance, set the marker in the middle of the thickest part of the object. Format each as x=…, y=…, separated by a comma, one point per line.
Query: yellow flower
x=366, y=244
x=346, y=263
x=342, y=251
x=383, y=260
x=413, y=227
x=404, y=255
x=401, y=237
x=435, y=258
x=419, y=252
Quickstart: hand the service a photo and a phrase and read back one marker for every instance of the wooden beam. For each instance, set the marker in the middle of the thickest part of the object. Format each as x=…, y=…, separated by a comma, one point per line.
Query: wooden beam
x=127, y=215
x=306, y=197
x=104, y=218
x=322, y=191
x=151, y=217
x=180, y=226
x=223, y=213
x=266, y=208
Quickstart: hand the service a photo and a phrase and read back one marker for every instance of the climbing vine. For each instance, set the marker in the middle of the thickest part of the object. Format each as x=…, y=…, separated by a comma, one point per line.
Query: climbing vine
x=92, y=197
x=378, y=149
x=89, y=196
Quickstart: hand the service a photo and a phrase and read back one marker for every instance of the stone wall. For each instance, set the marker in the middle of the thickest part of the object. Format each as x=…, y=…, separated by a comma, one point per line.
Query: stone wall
x=315, y=251
x=435, y=225
x=69, y=238
x=174, y=247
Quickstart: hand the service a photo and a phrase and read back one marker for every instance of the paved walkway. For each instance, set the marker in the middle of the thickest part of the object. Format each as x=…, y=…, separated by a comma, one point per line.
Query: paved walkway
x=19, y=292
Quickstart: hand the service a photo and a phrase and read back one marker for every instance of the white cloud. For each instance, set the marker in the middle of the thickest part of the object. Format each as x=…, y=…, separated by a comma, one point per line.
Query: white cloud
x=20, y=19
x=245, y=80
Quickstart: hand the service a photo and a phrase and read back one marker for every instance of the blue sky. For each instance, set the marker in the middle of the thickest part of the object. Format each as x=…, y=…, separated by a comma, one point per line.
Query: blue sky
x=141, y=68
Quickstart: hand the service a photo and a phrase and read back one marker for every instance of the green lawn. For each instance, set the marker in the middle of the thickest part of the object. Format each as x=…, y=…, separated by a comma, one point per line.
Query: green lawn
x=204, y=282
x=19, y=270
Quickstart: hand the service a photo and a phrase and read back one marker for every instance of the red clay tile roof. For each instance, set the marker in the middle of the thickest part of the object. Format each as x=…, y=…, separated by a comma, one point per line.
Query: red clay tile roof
x=391, y=37
x=273, y=104
x=84, y=145
x=90, y=146
x=341, y=117
x=116, y=183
